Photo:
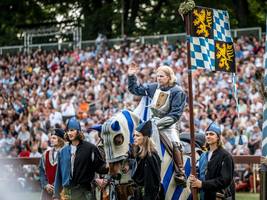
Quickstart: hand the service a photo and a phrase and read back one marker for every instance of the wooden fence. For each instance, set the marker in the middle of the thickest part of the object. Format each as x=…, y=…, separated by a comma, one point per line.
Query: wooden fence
x=253, y=161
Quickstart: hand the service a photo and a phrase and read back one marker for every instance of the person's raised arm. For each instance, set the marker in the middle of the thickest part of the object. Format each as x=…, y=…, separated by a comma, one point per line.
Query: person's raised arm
x=133, y=87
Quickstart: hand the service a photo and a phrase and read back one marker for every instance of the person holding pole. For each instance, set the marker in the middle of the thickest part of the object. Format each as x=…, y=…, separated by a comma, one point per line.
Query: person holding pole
x=216, y=169
x=168, y=102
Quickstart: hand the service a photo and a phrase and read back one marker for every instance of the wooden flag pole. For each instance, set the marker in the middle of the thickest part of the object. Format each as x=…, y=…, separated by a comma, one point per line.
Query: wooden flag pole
x=191, y=112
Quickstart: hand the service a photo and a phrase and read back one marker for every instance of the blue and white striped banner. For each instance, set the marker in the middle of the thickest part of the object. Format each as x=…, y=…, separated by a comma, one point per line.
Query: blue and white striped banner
x=234, y=81
x=264, y=126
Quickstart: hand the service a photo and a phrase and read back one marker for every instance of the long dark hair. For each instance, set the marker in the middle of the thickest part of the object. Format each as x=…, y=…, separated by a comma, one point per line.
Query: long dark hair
x=219, y=143
x=80, y=136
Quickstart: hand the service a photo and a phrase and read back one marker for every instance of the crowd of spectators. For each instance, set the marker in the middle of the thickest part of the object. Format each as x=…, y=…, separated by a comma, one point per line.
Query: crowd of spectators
x=41, y=90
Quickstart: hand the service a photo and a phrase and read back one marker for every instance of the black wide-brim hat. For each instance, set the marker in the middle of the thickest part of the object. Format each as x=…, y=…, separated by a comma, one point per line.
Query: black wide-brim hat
x=59, y=132
x=145, y=128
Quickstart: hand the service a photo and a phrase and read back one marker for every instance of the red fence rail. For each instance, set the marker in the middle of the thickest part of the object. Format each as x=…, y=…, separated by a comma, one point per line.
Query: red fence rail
x=254, y=161
x=35, y=161
x=19, y=161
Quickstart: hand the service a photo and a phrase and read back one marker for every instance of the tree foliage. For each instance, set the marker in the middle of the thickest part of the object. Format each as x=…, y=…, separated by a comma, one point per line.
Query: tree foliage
x=139, y=17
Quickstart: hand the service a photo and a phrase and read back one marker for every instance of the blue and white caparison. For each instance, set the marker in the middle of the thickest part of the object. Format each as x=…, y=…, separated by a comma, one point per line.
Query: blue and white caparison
x=122, y=125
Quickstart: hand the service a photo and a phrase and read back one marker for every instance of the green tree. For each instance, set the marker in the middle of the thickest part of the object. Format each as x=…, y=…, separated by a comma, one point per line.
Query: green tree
x=16, y=13
x=140, y=17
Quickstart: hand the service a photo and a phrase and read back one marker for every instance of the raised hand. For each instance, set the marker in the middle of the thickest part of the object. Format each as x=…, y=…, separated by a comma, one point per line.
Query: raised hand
x=133, y=69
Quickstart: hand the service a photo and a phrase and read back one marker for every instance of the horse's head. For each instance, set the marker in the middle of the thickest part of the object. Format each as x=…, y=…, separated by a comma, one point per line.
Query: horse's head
x=117, y=134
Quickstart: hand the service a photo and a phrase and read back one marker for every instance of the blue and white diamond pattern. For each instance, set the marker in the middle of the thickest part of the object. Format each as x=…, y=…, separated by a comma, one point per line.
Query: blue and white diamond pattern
x=202, y=53
x=221, y=26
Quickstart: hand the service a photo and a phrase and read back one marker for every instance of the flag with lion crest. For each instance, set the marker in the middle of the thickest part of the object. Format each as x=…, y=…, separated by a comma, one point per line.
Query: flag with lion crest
x=211, y=44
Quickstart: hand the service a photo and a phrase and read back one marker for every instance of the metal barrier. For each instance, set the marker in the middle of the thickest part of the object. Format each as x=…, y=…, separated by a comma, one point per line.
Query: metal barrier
x=11, y=49
x=51, y=46
x=255, y=31
x=151, y=39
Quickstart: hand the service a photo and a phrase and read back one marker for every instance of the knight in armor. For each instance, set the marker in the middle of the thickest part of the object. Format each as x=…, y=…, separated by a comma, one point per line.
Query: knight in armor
x=168, y=102
x=48, y=164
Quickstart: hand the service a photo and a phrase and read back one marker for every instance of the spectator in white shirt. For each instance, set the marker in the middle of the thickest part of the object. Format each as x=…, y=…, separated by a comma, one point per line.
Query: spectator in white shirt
x=241, y=143
x=24, y=135
x=254, y=140
x=67, y=109
x=55, y=117
x=9, y=142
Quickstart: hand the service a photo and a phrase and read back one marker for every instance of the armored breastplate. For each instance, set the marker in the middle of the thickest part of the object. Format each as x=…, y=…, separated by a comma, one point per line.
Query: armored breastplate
x=160, y=104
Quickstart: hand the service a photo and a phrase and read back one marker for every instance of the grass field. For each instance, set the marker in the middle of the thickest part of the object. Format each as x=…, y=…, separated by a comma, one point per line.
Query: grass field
x=247, y=196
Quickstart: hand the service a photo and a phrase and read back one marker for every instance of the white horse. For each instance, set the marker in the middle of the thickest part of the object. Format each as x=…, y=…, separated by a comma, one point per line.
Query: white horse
x=117, y=134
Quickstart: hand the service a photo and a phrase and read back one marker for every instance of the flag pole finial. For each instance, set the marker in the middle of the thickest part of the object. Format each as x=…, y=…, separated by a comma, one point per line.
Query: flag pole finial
x=186, y=7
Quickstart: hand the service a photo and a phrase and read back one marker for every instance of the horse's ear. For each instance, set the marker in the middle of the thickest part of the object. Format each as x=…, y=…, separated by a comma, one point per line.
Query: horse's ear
x=97, y=127
x=115, y=126
x=136, y=119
